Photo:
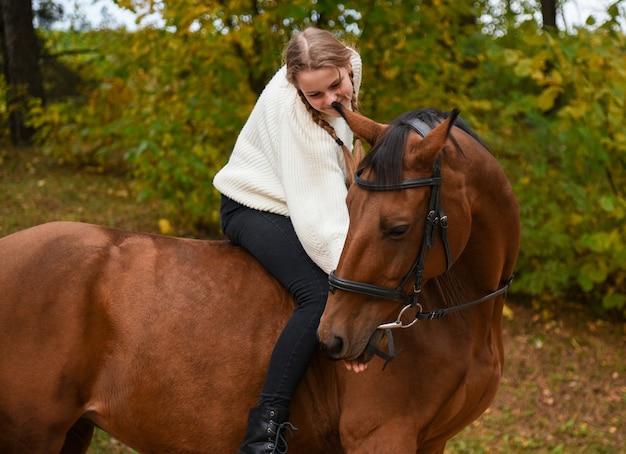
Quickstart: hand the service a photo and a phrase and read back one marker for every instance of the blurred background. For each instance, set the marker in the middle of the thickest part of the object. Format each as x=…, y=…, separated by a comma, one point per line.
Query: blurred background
x=121, y=112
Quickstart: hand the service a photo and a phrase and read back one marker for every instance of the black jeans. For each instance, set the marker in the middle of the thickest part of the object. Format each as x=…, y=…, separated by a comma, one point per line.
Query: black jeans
x=272, y=239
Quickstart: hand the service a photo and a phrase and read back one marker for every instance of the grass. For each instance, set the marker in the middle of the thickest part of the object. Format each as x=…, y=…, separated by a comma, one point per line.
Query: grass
x=564, y=384
x=35, y=189
x=563, y=390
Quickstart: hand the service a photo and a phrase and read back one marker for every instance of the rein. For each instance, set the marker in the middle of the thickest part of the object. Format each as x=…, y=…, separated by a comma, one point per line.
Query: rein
x=436, y=219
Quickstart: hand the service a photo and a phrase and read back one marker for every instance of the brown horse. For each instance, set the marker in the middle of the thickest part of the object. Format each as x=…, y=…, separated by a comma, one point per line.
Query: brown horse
x=163, y=341
x=434, y=226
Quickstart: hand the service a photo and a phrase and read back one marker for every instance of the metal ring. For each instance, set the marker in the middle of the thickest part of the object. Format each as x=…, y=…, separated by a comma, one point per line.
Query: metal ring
x=398, y=323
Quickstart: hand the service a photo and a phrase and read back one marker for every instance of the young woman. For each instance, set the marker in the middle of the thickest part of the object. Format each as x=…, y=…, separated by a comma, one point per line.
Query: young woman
x=283, y=199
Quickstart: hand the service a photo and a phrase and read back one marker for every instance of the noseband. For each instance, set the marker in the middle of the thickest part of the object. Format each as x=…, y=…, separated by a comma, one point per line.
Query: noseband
x=436, y=219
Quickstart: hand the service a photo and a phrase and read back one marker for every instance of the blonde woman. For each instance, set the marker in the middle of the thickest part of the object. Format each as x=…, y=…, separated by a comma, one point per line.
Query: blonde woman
x=283, y=199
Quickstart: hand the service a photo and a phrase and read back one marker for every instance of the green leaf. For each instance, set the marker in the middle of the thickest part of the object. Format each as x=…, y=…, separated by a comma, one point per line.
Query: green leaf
x=607, y=202
x=614, y=301
x=596, y=273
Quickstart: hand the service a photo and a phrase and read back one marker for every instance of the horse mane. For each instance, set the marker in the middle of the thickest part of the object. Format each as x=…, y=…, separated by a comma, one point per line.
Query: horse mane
x=450, y=288
x=385, y=158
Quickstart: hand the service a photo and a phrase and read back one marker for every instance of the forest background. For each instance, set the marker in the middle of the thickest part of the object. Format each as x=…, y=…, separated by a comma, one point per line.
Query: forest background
x=164, y=104
x=133, y=124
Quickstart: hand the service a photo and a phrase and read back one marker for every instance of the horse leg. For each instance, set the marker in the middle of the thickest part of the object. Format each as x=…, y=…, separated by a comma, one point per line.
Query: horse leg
x=432, y=449
x=34, y=441
x=394, y=442
x=78, y=437
x=37, y=427
x=398, y=437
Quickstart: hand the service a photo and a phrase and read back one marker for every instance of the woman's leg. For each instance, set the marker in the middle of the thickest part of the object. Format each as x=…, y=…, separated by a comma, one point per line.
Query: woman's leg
x=273, y=241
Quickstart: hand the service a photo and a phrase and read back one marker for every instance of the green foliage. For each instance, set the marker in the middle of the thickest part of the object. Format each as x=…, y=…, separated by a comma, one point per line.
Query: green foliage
x=570, y=171
x=158, y=110
x=5, y=136
x=166, y=105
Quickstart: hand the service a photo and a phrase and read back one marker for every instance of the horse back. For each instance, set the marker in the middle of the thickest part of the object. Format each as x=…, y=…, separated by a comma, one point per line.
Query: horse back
x=161, y=341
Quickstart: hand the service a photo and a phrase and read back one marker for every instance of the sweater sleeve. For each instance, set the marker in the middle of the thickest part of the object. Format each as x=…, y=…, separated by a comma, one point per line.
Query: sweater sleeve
x=312, y=173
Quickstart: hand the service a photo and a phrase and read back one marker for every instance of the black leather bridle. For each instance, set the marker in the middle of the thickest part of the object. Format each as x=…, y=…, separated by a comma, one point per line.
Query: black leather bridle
x=436, y=219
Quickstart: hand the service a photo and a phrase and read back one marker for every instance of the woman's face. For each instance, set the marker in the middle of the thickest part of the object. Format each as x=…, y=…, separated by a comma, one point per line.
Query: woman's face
x=322, y=87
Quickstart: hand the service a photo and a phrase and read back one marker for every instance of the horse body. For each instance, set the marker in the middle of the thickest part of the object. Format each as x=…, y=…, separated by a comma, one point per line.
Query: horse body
x=163, y=342
x=131, y=332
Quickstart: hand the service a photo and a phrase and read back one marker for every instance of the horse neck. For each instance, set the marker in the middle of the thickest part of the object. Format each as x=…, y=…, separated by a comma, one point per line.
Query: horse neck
x=489, y=252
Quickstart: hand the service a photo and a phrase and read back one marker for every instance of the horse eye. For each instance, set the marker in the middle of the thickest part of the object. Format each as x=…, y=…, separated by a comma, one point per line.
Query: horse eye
x=397, y=231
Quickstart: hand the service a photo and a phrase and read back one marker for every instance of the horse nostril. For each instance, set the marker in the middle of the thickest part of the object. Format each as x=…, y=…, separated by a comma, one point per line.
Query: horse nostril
x=333, y=347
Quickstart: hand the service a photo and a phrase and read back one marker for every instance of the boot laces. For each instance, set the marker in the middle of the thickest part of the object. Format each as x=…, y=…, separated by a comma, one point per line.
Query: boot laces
x=280, y=443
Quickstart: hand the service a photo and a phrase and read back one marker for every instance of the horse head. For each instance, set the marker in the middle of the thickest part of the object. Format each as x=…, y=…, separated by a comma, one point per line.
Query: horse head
x=398, y=237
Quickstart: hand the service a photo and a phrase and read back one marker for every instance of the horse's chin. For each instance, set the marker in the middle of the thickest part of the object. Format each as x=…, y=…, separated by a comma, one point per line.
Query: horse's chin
x=375, y=340
x=364, y=357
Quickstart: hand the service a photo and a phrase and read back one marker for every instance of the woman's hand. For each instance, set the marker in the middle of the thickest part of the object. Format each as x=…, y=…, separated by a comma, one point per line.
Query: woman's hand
x=355, y=365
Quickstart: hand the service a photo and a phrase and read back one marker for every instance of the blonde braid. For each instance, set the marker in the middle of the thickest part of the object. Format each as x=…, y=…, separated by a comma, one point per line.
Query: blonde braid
x=347, y=156
x=354, y=102
x=357, y=153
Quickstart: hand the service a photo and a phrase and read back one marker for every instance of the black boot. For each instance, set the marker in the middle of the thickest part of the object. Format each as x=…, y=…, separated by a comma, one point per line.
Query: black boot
x=266, y=429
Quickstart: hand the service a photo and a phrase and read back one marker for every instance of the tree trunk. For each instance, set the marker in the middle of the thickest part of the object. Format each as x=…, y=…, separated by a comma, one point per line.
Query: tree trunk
x=21, y=64
x=548, y=13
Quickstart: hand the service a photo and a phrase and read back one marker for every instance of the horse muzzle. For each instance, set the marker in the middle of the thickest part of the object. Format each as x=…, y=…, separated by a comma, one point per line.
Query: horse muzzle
x=339, y=346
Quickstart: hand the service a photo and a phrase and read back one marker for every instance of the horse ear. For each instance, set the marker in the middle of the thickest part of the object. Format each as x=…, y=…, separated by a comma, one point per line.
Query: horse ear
x=425, y=150
x=360, y=125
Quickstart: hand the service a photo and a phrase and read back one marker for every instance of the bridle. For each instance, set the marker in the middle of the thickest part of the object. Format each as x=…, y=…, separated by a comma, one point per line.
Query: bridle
x=435, y=220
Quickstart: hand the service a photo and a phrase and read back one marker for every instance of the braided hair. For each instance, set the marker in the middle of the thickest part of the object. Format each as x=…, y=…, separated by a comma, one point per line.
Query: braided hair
x=313, y=49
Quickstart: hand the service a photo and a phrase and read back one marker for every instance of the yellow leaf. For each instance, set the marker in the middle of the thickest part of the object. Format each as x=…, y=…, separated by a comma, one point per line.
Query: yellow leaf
x=391, y=73
x=524, y=67
x=508, y=313
x=545, y=101
x=576, y=110
x=576, y=219
x=164, y=226
x=511, y=57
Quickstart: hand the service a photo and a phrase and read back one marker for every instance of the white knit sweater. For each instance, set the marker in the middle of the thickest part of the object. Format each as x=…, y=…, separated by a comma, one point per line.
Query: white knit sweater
x=285, y=163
